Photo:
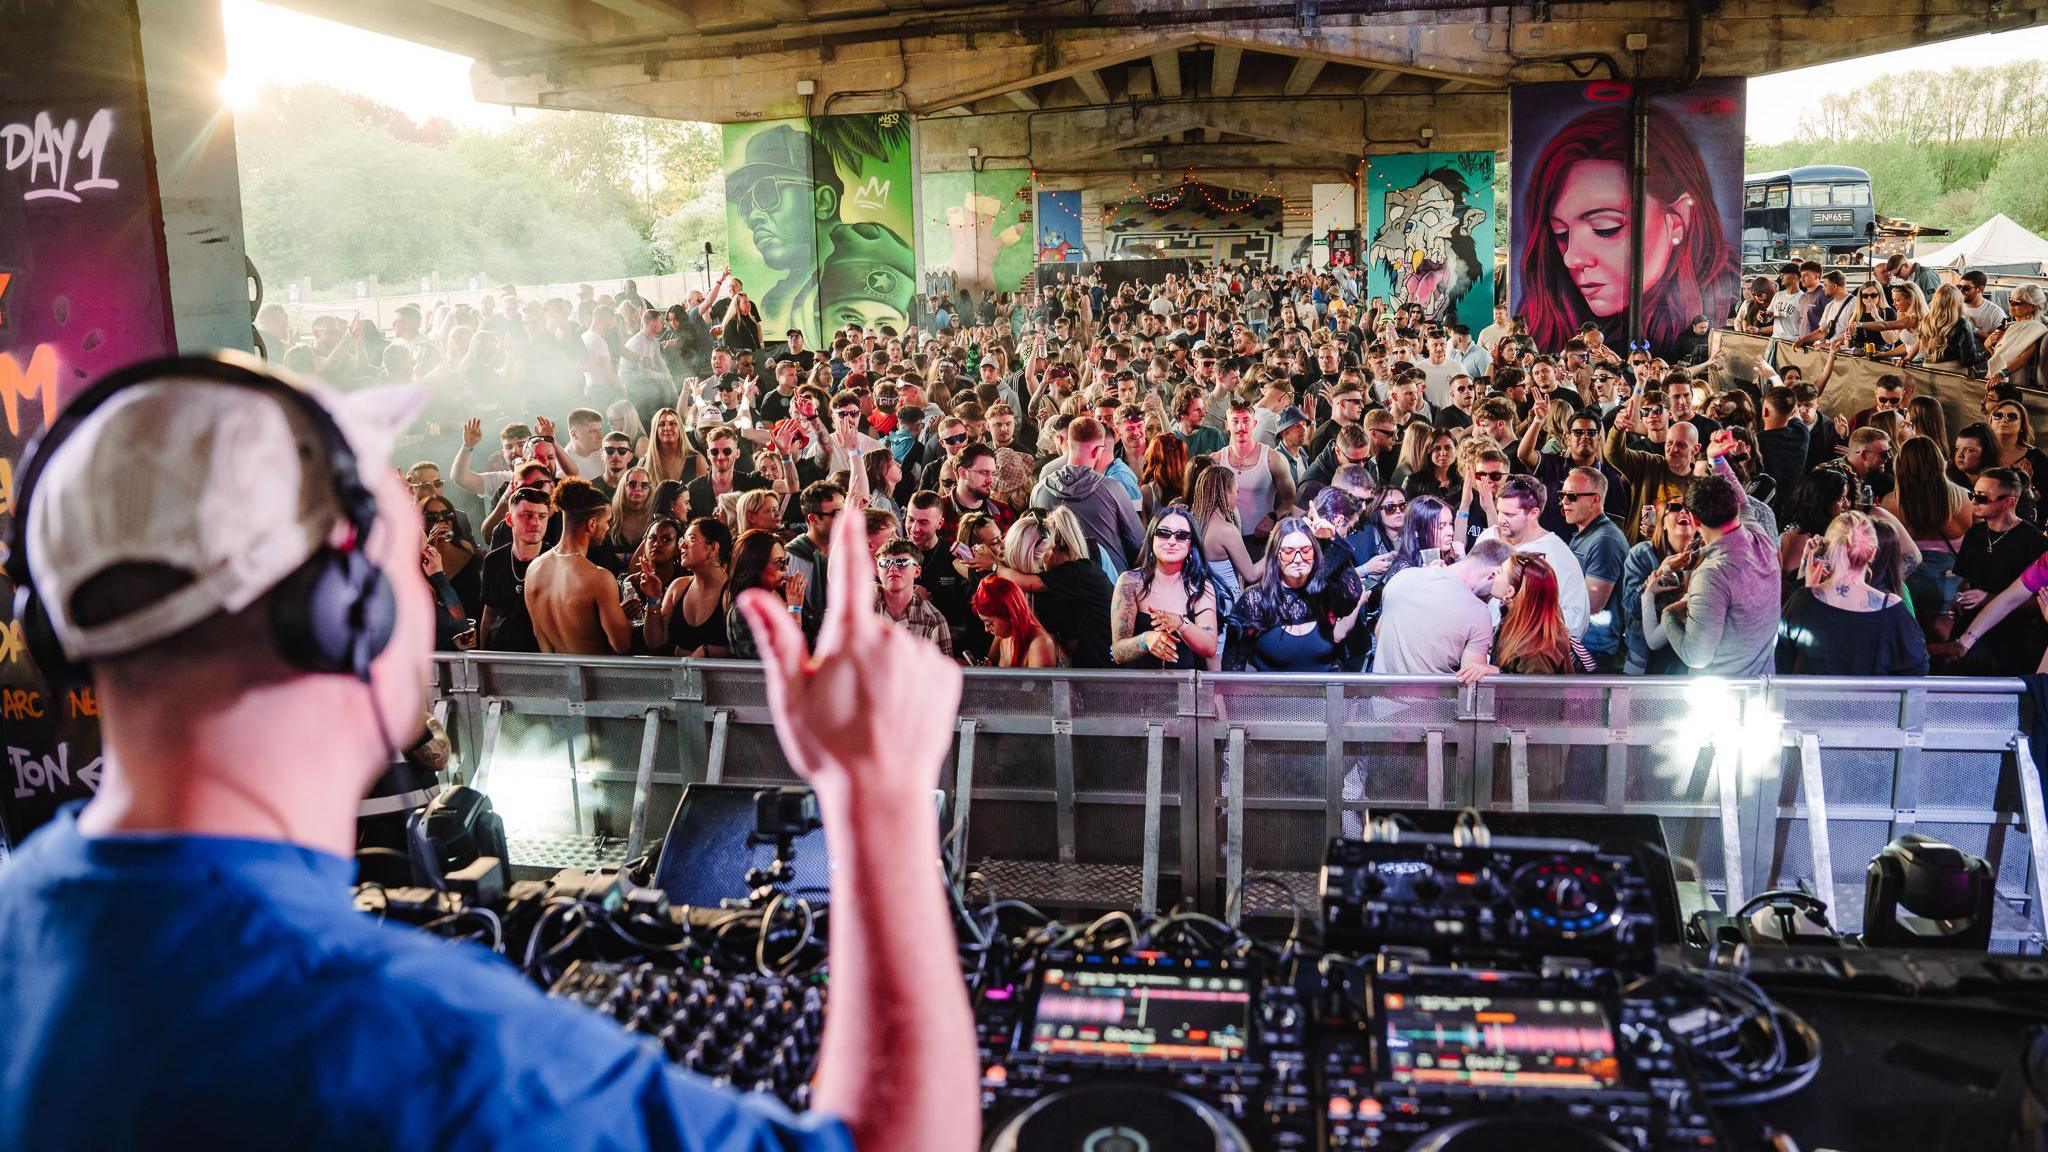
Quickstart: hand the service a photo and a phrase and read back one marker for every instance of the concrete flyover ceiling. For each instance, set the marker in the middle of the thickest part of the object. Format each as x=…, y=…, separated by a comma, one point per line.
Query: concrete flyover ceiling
x=1100, y=86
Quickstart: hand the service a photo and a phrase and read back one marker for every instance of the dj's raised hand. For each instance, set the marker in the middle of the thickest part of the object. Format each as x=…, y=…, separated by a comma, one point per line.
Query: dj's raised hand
x=869, y=715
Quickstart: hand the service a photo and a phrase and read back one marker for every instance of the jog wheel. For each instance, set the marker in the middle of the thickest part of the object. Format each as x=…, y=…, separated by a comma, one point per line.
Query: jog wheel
x=1119, y=1118
x=1515, y=1134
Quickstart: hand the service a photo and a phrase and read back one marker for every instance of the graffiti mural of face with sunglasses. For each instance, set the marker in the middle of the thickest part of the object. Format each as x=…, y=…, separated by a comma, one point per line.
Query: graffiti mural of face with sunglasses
x=815, y=204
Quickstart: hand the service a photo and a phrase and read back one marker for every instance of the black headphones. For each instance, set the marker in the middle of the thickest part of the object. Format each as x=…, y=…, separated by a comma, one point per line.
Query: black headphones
x=333, y=614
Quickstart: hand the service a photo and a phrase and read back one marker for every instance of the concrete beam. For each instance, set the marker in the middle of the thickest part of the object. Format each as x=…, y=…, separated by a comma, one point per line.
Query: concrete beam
x=1166, y=74
x=1181, y=157
x=1456, y=84
x=184, y=52
x=546, y=19
x=936, y=61
x=1303, y=77
x=1091, y=84
x=1092, y=131
x=1223, y=70
x=419, y=23
x=1023, y=99
x=653, y=15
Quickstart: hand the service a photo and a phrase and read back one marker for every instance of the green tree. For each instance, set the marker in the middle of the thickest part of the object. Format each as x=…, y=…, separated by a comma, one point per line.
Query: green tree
x=337, y=187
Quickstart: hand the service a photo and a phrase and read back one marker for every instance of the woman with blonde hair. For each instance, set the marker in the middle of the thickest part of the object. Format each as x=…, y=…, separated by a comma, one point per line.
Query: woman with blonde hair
x=632, y=510
x=669, y=455
x=1944, y=336
x=759, y=509
x=621, y=416
x=1046, y=554
x=2016, y=348
x=1416, y=439
x=1838, y=624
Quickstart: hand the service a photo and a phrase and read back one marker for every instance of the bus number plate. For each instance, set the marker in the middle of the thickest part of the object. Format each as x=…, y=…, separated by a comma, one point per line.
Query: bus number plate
x=1834, y=216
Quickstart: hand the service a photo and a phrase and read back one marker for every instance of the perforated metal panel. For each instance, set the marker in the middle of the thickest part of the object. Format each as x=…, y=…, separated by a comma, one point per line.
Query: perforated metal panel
x=1060, y=759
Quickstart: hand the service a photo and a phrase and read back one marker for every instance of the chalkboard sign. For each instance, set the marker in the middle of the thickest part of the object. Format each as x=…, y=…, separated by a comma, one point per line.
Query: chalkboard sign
x=83, y=291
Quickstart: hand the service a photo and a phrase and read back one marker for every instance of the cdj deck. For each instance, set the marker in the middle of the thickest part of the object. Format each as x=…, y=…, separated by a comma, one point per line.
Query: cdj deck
x=1463, y=989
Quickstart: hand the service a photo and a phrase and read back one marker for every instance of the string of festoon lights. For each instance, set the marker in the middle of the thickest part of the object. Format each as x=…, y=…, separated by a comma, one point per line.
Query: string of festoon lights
x=1191, y=178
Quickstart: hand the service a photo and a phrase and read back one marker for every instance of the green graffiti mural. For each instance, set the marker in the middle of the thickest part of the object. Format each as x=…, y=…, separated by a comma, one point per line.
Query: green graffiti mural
x=977, y=225
x=818, y=221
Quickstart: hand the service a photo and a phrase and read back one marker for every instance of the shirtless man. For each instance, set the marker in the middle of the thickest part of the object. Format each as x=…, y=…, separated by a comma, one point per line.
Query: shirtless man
x=573, y=602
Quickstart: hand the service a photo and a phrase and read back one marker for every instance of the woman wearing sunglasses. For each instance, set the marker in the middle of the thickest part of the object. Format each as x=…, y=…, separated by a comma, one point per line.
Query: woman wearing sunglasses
x=1675, y=533
x=2013, y=430
x=1298, y=617
x=1163, y=612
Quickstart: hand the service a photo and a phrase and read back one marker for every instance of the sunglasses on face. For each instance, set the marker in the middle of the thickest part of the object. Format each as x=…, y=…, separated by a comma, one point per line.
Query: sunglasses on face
x=1401, y=507
x=1304, y=552
x=427, y=485
x=1981, y=498
x=949, y=441
x=620, y=451
x=1491, y=476
x=1177, y=535
x=752, y=198
x=1583, y=433
x=2005, y=417
x=895, y=563
x=721, y=453
x=1569, y=497
x=440, y=517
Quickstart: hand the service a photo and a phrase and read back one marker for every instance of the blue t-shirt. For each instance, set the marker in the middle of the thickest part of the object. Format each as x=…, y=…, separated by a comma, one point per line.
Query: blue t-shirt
x=202, y=992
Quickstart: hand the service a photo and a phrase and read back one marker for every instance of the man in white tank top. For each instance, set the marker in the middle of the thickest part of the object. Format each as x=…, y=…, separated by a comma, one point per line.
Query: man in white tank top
x=1265, y=485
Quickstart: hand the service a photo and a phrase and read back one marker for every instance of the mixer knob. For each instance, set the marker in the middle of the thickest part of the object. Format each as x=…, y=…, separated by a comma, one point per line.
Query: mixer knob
x=1426, y=886
x=1565, y=893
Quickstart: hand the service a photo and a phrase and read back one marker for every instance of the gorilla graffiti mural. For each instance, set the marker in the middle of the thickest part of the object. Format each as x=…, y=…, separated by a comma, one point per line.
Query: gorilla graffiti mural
x=1431, y=222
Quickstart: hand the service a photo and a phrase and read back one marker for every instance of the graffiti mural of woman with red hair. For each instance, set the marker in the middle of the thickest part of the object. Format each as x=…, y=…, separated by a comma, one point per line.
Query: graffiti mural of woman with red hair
x=1574, y=261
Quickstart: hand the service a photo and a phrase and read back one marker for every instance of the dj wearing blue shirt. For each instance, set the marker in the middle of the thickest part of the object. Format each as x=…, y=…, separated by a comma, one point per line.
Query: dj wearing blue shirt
x=180, y=962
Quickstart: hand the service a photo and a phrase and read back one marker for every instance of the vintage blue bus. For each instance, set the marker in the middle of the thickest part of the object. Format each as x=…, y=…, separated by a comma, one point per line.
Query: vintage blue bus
x=1819, y=212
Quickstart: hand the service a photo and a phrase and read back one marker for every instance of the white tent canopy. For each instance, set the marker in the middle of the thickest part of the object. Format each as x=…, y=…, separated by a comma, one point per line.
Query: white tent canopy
x=1997, y=241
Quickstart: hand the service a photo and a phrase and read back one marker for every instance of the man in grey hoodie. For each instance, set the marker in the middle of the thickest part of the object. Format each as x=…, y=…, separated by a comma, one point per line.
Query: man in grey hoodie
x=1727, y=622
x=1079, y=486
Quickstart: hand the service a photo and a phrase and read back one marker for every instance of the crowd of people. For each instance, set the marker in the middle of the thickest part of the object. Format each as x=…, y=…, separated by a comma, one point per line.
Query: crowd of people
x=1235, y=467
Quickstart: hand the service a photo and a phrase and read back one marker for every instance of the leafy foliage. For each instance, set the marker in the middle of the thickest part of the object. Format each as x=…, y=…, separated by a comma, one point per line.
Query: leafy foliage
x=335, y=187
x=1946, y=149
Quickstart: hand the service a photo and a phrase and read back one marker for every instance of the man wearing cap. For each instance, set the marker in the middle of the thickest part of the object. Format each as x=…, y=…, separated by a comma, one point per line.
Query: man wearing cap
x=787, y=194
x=794, y=350
x=205, y=890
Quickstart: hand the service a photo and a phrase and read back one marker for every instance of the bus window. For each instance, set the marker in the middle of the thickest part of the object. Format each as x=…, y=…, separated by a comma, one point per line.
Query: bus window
x=1810, y=196
x=1775, y=197
x=1753, y=196
x=1852, y=194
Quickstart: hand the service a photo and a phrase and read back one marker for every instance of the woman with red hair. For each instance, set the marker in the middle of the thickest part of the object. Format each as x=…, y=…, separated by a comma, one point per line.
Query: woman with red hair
x=1019, y=641
x=1532, y=639
x=1574, y=263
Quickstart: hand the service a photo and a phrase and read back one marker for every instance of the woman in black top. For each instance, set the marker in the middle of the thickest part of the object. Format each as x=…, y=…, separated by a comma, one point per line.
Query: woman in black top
x=1297, y=618
x=460, y=560
x=1839, y=624
x=691, y=620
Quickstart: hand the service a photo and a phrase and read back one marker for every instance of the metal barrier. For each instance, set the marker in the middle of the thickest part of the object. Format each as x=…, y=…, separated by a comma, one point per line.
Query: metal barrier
x=1147, y=789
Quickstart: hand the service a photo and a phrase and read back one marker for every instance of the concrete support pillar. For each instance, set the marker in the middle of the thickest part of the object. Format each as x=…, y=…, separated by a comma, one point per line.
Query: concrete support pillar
x=184, y=55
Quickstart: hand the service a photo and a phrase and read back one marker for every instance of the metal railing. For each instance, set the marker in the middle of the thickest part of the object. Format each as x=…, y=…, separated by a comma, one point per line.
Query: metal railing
x=1144, y=789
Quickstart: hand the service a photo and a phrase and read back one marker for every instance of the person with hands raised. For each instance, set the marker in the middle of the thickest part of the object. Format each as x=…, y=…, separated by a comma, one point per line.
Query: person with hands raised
x=866, y=718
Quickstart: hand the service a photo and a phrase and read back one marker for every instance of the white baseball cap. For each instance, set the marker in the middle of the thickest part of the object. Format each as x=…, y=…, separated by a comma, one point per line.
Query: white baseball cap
x=222, y=482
